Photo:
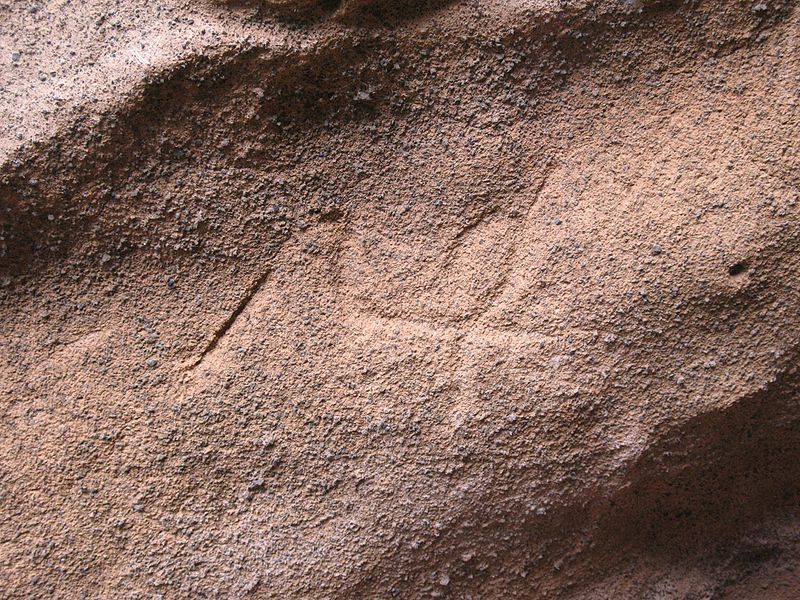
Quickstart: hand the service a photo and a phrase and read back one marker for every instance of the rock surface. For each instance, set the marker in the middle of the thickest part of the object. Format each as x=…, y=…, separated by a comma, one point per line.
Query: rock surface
x=399, y=299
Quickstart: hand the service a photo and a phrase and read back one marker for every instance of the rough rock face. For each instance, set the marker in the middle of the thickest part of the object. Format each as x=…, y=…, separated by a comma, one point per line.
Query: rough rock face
x=388, y=299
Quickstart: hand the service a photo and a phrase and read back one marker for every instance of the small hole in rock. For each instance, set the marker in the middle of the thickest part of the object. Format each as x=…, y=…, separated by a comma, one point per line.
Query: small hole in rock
x=737, y=269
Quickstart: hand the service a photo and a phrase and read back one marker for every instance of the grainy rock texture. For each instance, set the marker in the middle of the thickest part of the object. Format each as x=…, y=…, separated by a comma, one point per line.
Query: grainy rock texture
x=376, y=299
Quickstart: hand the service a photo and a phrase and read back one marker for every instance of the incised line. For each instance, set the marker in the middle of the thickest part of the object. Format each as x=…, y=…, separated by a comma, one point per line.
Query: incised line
x=223, y=329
